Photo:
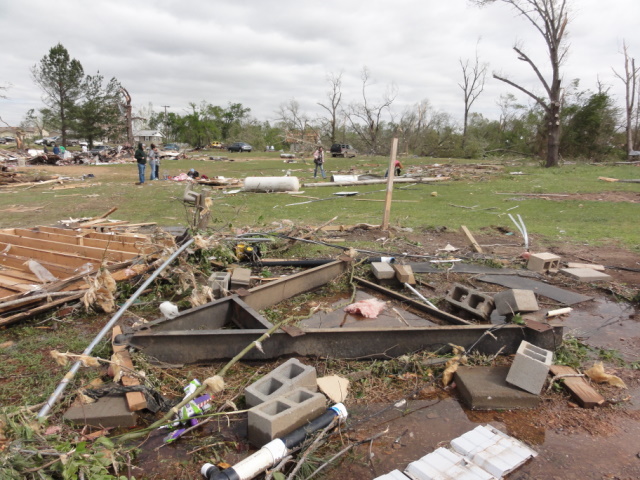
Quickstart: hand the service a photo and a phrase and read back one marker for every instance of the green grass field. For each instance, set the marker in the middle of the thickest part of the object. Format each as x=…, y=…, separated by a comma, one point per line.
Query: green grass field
x=590, y=220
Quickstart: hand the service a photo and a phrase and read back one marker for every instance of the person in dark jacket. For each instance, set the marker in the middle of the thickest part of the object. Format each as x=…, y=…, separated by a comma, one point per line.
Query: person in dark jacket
x=141, y=157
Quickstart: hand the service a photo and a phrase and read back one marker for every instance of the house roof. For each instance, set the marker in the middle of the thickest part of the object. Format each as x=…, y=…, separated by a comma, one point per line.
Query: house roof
x=148, y=133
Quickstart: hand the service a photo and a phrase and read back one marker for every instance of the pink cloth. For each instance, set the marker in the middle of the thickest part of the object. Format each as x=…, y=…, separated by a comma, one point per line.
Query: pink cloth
x=369, y=308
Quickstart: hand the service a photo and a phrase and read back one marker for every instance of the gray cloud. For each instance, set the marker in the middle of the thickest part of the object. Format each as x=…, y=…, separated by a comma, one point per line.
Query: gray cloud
x=263, y=53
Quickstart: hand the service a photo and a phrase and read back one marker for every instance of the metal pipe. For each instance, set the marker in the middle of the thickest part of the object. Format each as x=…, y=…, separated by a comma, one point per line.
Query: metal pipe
x=76, y=366
x=419, y=295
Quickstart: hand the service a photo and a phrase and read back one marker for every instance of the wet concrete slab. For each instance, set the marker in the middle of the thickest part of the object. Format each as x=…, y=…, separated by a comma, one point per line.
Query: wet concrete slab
x=336, y=317
x=486, y=388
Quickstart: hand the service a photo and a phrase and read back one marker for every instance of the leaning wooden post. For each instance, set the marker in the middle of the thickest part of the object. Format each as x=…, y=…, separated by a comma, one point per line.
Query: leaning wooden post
x=392, y=170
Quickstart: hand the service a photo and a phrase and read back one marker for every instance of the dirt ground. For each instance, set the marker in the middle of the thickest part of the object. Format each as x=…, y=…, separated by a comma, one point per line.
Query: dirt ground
x=572, y=443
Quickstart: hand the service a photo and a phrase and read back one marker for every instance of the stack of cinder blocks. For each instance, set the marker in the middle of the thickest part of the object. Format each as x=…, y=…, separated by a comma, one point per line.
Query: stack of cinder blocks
x=282, y=401
x=472, y=301
x=530, y=368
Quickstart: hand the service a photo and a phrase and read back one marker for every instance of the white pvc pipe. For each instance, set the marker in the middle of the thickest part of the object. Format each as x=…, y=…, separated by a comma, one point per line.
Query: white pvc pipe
x=560, y=311
x=271, y=184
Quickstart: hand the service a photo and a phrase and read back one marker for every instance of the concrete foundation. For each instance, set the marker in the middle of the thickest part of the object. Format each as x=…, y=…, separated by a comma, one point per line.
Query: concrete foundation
x=486, y=388
x=282, y=415
x=287, y=377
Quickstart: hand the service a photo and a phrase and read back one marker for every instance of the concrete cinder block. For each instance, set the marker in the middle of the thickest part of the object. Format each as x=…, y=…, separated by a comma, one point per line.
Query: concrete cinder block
x=383, y=270
x=543, y=262
x=219, y=283
x=472, y=301
x=287, y=377
x=105, y=412
x=514, y=301
x=240, y=277
x=585, y=274
x=282, y=415
x=530, y=368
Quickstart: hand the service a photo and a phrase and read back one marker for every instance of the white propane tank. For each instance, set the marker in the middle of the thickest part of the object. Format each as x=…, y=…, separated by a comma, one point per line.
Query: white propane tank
x=271, y=184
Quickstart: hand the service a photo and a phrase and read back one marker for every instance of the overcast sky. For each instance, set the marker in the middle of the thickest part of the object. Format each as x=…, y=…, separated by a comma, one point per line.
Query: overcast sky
x=263, y=53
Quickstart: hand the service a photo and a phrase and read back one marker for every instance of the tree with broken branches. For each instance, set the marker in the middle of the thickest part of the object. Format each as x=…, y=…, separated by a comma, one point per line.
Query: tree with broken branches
x=61, y=79
x=473, y=77
x=550, y=19
x=332, y=105
x=366, y=117
x=630, y=81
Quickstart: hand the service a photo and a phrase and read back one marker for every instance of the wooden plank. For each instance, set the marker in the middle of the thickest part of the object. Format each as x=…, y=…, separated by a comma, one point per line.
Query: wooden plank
x=15, y=284
x=130, y=238
x=472, y=240
x=47, y=245
x=59, y=258
x=111, y=244
x=24, y=275
x=580, y=390
x=17, y=262
x=135, y=400
x=34, y=311
x=404, y=273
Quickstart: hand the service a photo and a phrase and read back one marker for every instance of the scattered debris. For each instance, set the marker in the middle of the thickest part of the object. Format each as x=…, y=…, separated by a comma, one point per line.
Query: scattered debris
x=597, y=374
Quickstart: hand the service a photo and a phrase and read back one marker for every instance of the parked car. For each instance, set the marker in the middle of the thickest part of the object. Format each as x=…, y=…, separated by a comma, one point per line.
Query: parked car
x=40, y=141
x=240, y=147
x=98, y=150
x=171, y=146
x=343, y=150
x=49, y=141
x=2, y=140
x=217, y=145
x=10, y=139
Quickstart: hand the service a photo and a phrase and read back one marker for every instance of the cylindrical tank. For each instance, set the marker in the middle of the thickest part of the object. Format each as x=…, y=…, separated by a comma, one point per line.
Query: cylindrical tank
x=271, y=184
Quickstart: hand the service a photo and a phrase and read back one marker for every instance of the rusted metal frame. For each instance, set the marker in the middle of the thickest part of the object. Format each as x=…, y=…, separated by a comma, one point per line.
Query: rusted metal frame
x=203, y=346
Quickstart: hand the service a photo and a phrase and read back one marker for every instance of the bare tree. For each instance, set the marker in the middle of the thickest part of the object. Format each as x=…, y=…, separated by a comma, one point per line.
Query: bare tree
x=295, y=124
x=630, y=80
x=473, y=77
x=549, y=18
x=366, y=117
x=334, y=97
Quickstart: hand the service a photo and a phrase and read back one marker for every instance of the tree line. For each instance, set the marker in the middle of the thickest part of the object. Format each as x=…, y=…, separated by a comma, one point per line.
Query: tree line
x=559, y=120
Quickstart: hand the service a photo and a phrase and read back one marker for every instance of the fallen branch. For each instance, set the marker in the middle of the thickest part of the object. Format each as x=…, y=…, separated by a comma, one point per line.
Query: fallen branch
x=345, y=450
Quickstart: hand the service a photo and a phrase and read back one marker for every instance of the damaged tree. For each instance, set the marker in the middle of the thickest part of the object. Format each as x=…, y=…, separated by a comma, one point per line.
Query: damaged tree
x=473, y=77
x=630, y=80
x=550, y=18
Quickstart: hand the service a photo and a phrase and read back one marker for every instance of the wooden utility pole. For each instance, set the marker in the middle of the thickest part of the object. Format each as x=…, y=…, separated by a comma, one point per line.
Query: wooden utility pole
x=391, y=174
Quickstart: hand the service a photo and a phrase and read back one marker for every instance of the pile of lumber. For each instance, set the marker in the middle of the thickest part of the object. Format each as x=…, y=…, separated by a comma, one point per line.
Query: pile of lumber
x=45, y=267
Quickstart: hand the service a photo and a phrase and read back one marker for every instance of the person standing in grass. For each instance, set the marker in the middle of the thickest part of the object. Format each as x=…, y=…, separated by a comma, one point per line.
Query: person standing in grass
x=153, y=162
x=141, y=157
x=318, y=159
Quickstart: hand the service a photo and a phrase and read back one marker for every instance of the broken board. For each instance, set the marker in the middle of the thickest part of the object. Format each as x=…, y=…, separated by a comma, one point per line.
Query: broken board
x=580, y=390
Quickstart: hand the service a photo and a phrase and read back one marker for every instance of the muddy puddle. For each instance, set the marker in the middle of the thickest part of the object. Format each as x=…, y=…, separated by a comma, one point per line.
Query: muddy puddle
x=608, y=325
x=419, y=427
